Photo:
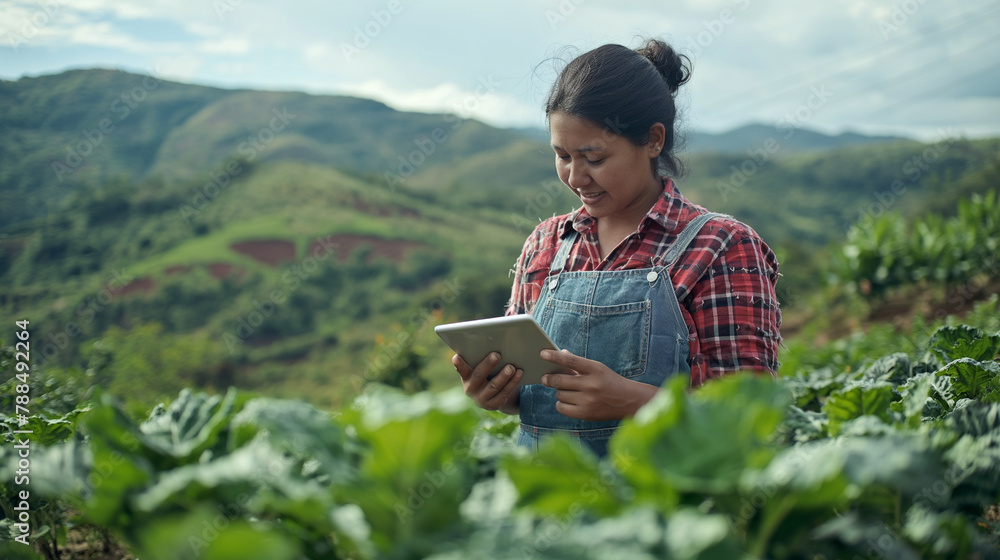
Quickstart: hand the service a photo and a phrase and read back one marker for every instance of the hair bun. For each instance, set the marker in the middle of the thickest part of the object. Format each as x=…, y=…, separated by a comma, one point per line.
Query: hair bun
x=675, y=68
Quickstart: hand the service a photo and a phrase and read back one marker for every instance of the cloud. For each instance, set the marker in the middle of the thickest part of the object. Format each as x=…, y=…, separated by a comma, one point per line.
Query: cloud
x=754, y=60
x=478, y=102
x=229, y=45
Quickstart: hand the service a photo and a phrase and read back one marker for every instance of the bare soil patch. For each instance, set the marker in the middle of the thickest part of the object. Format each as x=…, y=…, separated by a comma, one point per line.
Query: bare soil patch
x=143, y=284
x=221, y=270
x=346, y=243
x=271, y=252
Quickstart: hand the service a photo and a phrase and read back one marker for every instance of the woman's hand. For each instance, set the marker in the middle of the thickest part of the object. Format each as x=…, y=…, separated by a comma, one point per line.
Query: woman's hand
x=594, y=392
x=502, y=392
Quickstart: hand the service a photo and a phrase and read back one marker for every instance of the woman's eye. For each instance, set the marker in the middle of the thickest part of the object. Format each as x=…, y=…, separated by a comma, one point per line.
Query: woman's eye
x=591, y=162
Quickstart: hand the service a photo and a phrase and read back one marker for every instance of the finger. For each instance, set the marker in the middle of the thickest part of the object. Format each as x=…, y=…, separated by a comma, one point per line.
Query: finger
x=495, y=384
x=512, y=384
x=463, y=368
x=571, y=410
x=481, y=372
x=569, y=360
x=568, y=381
x=569, y=397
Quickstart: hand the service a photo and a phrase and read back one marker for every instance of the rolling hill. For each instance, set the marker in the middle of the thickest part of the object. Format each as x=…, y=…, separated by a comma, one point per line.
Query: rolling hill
x=286, y=242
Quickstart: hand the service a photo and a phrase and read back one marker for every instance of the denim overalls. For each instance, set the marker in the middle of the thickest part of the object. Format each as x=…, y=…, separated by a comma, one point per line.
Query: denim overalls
x=629, y=320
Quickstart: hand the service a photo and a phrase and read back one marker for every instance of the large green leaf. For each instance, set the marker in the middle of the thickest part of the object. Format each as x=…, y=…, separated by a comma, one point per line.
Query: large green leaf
x=974, y=459
x=563, y=478
x=57, y=471
x=858, y=399
x=207, y=534
x=44, y=430
x=976, y=420
x=915, y=392
x=810, y=390
x=491, y=501
x=700, y=443
x=190, y=424
x=803, y=425
x=971, y=379
x=895, y=368
x=804, y=485
x=952, y=343
x=853, y=536
x=302, y=431
x=416, y=469
x=234, y=478
x=123, y=463
x=637, y=534
x=945, y=535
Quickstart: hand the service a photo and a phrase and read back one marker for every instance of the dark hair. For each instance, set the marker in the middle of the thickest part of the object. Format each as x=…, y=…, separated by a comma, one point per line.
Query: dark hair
x=626, y=91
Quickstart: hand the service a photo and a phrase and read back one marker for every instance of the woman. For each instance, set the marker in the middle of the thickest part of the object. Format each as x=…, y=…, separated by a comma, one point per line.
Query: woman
x=638, y=284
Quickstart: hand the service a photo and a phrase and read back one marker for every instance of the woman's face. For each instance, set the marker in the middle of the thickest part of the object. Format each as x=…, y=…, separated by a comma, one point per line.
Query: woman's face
x=612, y=176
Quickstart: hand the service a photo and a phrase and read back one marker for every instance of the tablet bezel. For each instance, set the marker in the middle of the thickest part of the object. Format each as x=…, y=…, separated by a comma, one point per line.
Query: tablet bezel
x=518, y=338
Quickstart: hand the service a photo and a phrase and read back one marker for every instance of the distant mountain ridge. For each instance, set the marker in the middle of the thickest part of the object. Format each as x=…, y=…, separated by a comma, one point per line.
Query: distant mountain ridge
x=211, y=202
x=749, y=136
x=85, y=127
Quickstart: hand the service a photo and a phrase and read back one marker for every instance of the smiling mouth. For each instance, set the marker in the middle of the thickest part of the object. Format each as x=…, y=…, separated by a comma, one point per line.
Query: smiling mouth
x=590, y=195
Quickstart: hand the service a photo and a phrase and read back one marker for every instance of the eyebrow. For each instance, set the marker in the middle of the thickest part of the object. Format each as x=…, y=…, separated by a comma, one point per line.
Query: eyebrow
x=581, y=150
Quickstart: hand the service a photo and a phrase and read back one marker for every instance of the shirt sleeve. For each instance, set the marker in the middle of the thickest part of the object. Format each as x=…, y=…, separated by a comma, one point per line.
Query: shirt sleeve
x=519, y=296
x=734, y=311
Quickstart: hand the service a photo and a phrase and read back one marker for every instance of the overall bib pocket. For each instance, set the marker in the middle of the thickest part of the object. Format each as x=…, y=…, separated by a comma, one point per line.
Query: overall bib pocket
x=615, y=335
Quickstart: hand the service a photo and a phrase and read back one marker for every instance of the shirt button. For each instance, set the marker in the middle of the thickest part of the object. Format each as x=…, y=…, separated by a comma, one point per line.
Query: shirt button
x=652, y=276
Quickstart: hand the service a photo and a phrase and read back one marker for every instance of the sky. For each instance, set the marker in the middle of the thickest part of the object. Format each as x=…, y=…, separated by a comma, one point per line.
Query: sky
x=926, y=69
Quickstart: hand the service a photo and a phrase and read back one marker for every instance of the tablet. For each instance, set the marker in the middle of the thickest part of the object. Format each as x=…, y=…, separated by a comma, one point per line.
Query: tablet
x=518, y=338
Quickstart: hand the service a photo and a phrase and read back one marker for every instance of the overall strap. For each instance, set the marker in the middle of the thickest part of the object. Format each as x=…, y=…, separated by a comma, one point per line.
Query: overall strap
x=562, y=255
x=677, y=248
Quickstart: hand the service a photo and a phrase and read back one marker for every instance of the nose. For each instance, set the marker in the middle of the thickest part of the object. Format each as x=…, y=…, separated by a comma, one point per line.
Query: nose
x=577, y=176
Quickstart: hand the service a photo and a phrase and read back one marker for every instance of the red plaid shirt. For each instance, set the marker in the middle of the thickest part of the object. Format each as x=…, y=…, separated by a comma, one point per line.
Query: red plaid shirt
x=724, y=282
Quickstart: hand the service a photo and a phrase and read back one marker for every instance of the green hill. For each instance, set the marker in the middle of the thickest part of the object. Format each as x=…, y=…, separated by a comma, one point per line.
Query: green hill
x=291, y=243
x=83, y=127
x=741, y=139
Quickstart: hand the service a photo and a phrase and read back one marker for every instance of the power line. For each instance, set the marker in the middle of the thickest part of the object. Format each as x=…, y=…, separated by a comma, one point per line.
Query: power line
x=927, y=94
x=973, y=17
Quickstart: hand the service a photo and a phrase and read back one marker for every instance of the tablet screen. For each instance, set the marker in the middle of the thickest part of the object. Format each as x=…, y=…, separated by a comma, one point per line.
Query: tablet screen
x=518, y=338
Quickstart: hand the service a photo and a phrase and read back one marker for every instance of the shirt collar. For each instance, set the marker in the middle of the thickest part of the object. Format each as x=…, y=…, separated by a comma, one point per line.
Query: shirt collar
x=664, y=212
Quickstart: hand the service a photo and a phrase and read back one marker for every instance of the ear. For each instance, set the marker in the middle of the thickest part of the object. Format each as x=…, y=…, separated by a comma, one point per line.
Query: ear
x=657, y=136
